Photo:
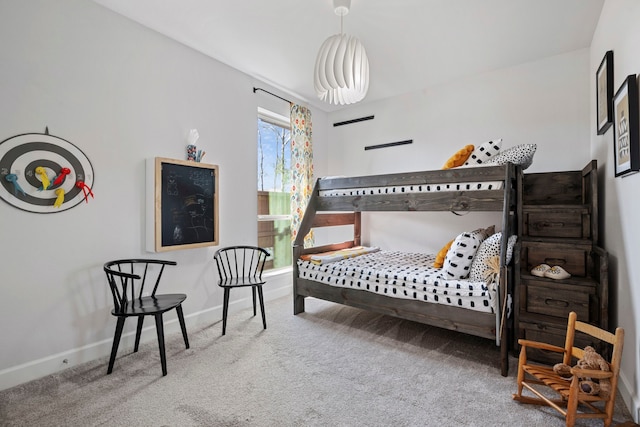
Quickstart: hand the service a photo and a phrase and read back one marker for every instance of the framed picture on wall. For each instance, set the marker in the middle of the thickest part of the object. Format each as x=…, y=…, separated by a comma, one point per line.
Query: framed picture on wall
x=604, y=93
x=185, y=204
x=625, y=125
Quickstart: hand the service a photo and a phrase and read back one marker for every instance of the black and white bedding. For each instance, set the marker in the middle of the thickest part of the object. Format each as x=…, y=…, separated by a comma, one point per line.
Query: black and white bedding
x=414, y=188
x=402, y=275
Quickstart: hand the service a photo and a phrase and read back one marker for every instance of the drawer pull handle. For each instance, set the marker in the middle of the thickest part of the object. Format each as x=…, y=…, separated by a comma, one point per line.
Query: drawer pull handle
x=544, y=224
x=556, y=302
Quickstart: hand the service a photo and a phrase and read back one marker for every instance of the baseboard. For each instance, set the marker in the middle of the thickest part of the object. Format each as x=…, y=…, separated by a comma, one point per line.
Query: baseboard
x=630, y=399
x=51, y=364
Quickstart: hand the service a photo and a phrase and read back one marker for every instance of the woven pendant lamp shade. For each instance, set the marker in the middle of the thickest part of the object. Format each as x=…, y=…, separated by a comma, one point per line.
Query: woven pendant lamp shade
x=342, y=70
x=341, y=74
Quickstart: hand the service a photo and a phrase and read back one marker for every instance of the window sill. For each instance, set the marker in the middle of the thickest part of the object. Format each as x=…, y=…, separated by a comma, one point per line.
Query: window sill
x=277, y=272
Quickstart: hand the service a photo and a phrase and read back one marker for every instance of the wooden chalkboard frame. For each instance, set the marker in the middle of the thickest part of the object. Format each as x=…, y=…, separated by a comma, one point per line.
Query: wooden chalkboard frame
x=166, y=204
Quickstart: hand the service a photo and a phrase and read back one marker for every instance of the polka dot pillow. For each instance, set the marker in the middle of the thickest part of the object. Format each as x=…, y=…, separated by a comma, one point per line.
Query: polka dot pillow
x=489, y=248
x=520, y=155
x=483, y=152
x=457, y=263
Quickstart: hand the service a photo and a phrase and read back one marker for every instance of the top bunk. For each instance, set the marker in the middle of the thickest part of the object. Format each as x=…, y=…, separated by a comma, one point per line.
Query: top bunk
x=477, y=188
x=458, y=190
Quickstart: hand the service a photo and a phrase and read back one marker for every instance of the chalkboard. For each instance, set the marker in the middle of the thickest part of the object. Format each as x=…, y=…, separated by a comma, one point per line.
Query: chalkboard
x=186, y=204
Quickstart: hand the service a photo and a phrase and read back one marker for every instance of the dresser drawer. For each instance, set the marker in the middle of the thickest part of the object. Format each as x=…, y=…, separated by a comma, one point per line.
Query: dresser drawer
x=553, y=188
x=574, y=258
x=554, y=335
x=564, y=223
x=554, y=299
x=550, y=334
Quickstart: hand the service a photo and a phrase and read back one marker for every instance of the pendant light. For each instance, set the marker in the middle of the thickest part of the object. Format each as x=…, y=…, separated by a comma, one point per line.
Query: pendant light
x=341, y=74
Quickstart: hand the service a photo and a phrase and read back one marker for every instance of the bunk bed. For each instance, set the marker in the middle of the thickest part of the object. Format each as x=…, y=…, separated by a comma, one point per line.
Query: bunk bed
x=340, y=201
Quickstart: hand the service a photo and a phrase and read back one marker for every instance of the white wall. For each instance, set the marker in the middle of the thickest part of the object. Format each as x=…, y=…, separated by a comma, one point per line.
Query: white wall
x=618, y=31
x=544, y=102
x=122, y=94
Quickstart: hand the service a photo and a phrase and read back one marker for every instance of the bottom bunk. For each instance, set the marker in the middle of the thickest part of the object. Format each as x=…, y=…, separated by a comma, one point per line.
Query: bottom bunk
x=400, y=275
x=406, y=286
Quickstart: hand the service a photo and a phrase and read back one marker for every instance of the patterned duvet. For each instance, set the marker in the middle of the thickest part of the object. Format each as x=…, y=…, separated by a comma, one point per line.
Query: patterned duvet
x=401, y=275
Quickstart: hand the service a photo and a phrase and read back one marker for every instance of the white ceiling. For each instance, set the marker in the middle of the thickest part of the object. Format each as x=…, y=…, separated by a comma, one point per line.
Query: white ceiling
x=411, y=44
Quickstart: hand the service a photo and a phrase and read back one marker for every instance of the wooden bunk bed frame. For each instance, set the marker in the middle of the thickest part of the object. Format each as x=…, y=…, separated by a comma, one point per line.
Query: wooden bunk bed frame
x=327, y=211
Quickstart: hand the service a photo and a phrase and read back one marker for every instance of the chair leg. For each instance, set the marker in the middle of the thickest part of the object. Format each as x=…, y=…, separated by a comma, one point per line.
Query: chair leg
x=138, y=333
x=253, y=293
x=182, y=325
x=160, y=331
x=609, y=408
x=225, y=308
x=572, y=403
x=116, y=343
x=522, y=360
x=264, y=319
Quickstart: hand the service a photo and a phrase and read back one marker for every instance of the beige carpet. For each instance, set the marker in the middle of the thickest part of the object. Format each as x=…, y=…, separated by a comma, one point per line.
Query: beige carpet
x=331, y=366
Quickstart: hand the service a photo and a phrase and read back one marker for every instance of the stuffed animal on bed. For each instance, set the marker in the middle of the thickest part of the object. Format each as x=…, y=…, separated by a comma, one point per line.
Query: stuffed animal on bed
x=593, y=361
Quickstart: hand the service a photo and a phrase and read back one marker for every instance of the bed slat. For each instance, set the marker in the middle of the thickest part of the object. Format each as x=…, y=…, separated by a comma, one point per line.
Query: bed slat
x=480, y=200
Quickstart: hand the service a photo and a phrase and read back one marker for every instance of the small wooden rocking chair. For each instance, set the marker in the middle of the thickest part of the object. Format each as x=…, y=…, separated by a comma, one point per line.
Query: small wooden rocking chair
x=571, y=397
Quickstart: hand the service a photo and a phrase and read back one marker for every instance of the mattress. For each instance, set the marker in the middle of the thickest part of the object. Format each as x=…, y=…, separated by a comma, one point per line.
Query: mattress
x=401, y=275
x=414, y=188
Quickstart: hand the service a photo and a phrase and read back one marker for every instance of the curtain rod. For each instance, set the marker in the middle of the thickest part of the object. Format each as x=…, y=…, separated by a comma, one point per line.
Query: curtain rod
x=255, y=89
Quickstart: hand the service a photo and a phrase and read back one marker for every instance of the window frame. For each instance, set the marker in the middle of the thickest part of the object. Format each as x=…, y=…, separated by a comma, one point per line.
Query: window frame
x=283, y=122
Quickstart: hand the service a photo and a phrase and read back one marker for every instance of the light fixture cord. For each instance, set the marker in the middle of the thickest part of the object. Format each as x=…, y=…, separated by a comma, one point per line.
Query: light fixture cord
x=341, y=19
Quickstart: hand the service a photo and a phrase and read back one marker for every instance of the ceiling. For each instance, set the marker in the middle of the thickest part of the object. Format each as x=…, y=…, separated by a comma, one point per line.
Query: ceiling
x=411, y=44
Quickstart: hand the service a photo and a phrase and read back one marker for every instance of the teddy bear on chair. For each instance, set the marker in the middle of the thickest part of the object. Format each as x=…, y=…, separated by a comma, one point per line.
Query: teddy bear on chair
x=591, y=360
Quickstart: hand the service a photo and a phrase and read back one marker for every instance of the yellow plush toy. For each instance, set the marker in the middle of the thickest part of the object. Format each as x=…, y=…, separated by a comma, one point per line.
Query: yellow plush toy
x=459, y=157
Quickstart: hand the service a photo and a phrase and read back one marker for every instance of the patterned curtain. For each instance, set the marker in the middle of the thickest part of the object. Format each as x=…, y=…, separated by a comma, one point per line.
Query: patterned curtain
x=301, y=168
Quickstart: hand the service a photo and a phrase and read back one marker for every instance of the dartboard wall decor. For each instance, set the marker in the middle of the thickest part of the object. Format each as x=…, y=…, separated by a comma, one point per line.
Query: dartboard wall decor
x=43, y=173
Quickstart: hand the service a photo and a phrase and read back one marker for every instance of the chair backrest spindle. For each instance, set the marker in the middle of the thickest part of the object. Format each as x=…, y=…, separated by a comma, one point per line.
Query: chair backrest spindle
x=143, y=280
x=132, y=283
x=253, y=271
x=244, y=263
x=155, y=287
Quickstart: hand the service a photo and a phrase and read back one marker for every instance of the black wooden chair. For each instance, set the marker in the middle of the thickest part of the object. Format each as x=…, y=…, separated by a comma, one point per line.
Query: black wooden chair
x=241, y=266
x=127, y=279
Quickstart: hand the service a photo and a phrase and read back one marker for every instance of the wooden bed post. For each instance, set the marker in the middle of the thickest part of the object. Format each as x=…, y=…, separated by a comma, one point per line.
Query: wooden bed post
x=298, y=245
x=357, y=226
x=298, y=300
x=510, y=226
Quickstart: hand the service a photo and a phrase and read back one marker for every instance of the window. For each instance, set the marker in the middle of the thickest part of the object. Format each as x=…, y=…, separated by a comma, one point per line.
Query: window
x=274, y=186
